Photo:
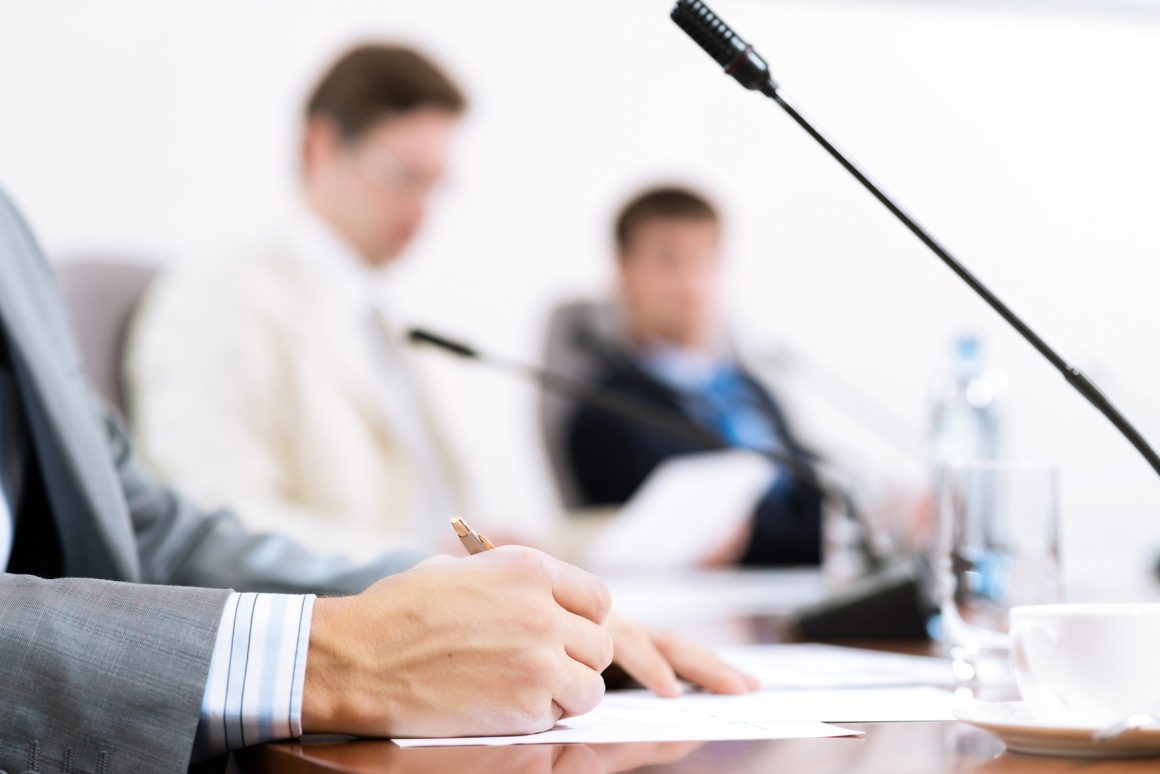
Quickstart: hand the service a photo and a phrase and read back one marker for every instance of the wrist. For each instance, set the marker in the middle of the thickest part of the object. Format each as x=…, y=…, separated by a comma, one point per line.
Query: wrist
x=322, y=692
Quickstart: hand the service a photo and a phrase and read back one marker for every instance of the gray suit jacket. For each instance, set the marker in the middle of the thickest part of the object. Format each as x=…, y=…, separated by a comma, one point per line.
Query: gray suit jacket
x=104, y=671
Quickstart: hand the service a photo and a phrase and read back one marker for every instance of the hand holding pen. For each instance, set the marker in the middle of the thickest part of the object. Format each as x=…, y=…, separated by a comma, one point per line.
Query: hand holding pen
x=654, y=658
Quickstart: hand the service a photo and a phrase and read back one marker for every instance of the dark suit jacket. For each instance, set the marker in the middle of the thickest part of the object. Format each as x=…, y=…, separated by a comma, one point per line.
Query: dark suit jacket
x=610, y=457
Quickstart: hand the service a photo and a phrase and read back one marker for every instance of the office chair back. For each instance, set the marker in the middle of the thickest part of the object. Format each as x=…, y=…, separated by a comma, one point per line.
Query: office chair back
x=577, y=332
x=101, y=296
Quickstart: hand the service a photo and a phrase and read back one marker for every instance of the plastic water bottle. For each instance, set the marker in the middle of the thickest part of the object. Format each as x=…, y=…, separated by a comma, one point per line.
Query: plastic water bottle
x=965, y=424
x=965, y=416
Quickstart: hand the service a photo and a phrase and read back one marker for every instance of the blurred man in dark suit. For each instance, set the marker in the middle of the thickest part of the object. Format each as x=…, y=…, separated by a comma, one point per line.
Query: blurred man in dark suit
x=671, y=352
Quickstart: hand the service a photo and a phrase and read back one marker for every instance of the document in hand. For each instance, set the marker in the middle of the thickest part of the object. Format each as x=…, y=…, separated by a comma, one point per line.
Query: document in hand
x=676, y=598
x=688, y=507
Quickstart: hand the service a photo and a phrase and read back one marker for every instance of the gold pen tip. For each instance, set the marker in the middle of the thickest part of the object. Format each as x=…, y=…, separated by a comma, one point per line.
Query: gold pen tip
x=461, y=527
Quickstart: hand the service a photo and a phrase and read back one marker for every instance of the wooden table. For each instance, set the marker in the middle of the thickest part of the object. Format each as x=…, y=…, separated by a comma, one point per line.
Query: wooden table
x=885, y=748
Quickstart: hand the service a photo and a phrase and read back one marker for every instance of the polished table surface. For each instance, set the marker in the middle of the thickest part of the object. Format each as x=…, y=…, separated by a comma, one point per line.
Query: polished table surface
x=884, y=748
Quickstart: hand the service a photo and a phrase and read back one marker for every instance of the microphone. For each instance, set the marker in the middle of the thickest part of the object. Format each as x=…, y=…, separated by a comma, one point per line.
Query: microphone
x=888, y=603
x=742, y=62
x=724, y=45
x=421, y=336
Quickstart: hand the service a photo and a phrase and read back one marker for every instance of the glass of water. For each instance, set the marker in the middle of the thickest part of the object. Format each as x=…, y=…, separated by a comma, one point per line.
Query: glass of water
x=999, y=548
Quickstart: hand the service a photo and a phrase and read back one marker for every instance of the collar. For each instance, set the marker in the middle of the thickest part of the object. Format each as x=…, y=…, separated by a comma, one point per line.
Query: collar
x=682, y=368
x=330, y=259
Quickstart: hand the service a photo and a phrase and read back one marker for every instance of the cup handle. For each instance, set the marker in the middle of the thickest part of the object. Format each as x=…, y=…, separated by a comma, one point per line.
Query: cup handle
x=1033, y=645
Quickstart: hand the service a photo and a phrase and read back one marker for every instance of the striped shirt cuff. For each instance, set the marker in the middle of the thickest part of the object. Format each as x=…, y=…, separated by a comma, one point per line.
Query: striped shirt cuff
x=254, y=690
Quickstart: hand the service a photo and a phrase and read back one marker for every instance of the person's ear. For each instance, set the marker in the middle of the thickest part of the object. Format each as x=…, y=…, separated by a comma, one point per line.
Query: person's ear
x=321, y=142
x=622, y=271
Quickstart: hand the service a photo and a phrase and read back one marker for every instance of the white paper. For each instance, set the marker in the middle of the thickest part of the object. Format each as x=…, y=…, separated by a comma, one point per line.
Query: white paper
x=639, y=716
x=836, y=705
x=586, y=730
x=810, y=665
x=688, y=507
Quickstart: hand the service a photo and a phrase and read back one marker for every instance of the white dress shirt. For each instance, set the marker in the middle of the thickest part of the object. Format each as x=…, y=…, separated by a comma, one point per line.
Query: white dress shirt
x=254, y=690
x=6, y=521
x=361, y=291
x=11, y=454
x=272, y=382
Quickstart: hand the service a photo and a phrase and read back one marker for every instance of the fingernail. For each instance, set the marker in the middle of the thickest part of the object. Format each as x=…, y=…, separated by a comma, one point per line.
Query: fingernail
x=739, y=683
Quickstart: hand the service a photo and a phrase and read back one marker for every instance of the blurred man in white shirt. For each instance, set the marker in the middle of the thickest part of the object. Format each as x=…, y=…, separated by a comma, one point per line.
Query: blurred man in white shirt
x=272, y=380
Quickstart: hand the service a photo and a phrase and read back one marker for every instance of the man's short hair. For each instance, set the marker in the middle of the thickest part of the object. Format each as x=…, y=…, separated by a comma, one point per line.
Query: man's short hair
x=373, y=82
x=663, y=203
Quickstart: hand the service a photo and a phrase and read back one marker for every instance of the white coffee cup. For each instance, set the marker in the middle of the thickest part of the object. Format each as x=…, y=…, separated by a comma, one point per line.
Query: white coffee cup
x=1087, y=665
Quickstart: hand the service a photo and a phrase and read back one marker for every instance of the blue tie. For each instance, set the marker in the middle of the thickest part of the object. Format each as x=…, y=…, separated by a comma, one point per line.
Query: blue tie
x=731, y=405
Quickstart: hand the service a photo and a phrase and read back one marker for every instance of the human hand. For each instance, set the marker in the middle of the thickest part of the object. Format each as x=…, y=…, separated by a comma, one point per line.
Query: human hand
x=729, y=551
x=504, y=642
x=656, y=658
x=904, y=517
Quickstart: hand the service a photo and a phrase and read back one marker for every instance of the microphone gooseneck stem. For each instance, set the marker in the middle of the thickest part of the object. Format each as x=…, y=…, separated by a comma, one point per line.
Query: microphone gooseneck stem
x=907, y=220
x=659, y=419
x=1073, y=375
x=614, y=403
x=744, y=65
x=640, y=412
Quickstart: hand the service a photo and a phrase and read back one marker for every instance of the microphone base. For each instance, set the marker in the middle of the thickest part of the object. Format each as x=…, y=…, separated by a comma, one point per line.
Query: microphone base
x=887, y=604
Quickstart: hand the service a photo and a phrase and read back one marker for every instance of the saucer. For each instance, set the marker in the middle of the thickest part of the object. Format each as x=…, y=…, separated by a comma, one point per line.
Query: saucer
x=1015, y=726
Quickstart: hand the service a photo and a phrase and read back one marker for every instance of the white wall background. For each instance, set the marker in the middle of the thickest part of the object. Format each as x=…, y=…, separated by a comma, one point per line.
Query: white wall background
x=1023, y=133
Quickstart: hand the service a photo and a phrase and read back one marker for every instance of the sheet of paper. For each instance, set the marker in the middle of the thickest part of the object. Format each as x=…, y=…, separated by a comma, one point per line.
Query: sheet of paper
x=810, y=665
x=585, y=731
x=687, y=508
x=639, y=716
x=831, y=705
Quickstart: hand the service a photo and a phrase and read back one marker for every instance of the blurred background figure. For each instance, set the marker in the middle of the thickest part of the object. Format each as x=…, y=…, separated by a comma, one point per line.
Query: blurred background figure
x=273, y=380
x=665, y=344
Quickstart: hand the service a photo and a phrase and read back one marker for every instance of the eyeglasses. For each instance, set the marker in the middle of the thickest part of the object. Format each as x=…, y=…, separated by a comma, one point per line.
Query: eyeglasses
x=390, y=174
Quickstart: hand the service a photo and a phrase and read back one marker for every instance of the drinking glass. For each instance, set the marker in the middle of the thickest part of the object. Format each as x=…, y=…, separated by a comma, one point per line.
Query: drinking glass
x=999, y=548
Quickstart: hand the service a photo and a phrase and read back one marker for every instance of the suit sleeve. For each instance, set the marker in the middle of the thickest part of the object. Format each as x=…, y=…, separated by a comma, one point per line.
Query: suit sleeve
x=102, y=676
x=109, y=677
x=180, y=544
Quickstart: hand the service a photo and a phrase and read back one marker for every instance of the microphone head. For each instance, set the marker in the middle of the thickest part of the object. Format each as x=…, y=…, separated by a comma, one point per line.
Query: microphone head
x=420, y=336
x=723, y=44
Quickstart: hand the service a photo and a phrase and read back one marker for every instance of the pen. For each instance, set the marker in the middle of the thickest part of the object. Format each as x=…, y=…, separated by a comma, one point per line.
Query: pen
x=472, y=541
